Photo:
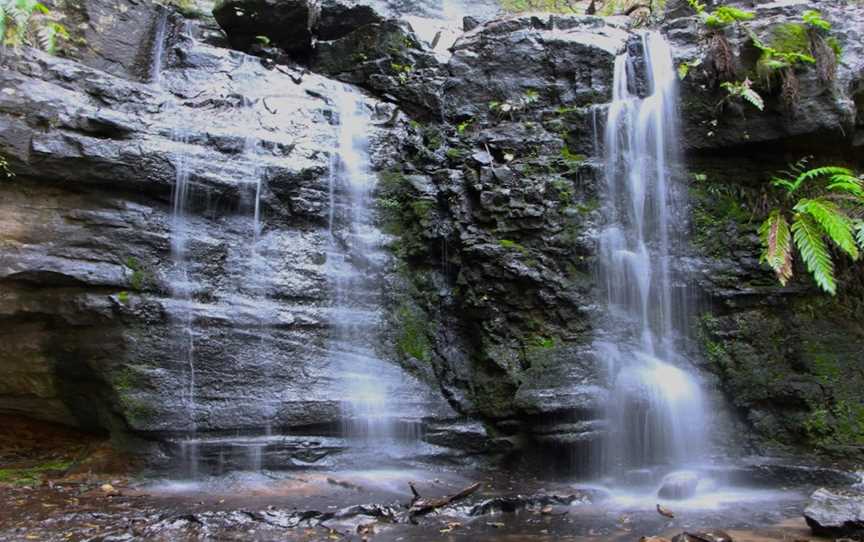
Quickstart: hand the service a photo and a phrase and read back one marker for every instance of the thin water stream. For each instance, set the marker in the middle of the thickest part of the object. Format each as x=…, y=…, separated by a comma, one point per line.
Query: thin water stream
x=370, y=413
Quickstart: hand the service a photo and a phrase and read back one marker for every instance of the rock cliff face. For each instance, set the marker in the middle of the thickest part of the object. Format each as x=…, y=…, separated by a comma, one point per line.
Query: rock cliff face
x=489, y=196
x=100, y=337
x=787, y=358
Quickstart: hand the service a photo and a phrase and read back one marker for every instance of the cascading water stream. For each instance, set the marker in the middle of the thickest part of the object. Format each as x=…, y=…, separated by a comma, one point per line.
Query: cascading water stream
x=184, y=284
x=158, y=47
x=655, y=412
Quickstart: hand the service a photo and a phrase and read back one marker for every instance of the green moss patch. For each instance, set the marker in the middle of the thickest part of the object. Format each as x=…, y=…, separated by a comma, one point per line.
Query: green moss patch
x=35, y=474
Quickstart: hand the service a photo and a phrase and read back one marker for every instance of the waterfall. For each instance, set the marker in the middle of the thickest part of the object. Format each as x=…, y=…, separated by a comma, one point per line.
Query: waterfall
x=368, y=384
x=182, y=288
x=158, y=47
x=185, y=285
x=655, y=412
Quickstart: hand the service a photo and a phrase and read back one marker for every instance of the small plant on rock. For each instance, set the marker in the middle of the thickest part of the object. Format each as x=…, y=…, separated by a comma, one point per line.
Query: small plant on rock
x=781, y=59
x=743, y=91
x=508, y=107
x=825, y=215
x=720, y=55
x=824, y=48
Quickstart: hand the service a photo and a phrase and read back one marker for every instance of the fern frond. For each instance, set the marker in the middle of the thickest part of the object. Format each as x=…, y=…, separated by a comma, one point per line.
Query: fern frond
x=859, y=233
x=754, y=98
x=48, y=36
x=833, y=221
x=815, y=173
x=21, y=18
x=797, y=168
x=808, y=238
x=3, y=26
x=759, y=44
x=778, y=182
x=847, y=183
x=777, y=244
x=859, y=236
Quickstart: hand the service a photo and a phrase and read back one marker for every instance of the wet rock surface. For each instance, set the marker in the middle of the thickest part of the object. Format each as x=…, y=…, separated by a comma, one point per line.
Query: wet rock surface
x=490, y=199
x=799, y=397
x=836, y=514
x=102, y=333
x=679, y=486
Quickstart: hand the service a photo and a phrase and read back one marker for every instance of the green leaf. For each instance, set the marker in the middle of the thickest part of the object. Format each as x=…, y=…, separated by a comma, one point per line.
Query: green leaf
x=777, y=245
x=833, y=221
x=697, y=6
x=783, y=183
x=808, y=238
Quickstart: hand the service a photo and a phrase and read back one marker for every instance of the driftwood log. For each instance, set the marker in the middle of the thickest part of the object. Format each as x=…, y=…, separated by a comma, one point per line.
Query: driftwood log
x=420, y=506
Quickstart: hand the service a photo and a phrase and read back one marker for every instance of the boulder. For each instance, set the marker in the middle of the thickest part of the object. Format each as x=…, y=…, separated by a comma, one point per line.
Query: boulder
x=836, y=514
x=832, y=111
x=679, y=485
x=567, y=59
x=715, y=535
x=338, y=18
x=287, y=24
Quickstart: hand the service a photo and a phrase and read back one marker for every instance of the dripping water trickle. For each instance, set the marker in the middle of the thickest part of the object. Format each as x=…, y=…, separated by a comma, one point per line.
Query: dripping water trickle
x=183, y=291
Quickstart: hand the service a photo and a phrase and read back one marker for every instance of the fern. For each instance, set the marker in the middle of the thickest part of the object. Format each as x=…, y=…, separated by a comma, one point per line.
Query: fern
x=835, y=224
x=48, y=36
x=792, y=186
x=830, y=214
x=814, y=252
x=744, y=91
x=777, y=243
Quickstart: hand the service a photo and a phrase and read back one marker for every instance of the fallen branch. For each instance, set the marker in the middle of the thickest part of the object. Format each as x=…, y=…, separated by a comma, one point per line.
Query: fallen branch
x=420, y=506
